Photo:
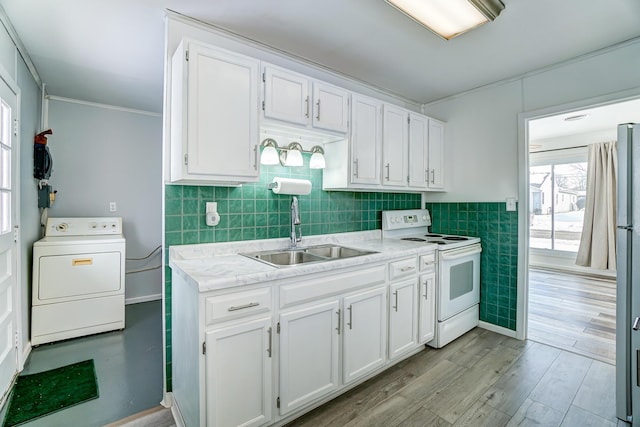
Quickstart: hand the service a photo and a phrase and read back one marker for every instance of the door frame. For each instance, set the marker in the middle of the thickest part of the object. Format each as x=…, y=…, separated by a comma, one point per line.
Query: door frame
x=524, y=118
x=21, y=355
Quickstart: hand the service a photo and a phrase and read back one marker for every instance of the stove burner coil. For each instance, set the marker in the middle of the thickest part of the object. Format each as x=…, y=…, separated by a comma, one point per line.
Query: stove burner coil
x=413, y=239
x=433, y=235
x=457, y=238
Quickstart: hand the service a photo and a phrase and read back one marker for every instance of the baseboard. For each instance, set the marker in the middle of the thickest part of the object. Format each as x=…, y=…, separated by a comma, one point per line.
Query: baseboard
x=26, y=351
x=175, y=411
x=497, y=329
x=145, y=298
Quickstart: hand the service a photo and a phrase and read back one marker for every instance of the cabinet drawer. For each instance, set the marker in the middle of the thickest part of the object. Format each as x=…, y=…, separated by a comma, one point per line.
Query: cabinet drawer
x=402, y=268
x=238, y=304
x=427, y=261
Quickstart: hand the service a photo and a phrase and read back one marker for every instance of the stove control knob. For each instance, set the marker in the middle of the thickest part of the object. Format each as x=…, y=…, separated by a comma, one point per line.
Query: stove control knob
x=392, y=220
x=424, y=217
x=399, y=218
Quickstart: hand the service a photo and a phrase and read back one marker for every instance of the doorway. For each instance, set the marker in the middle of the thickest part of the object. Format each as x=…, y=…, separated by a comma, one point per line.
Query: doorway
x=568, y=306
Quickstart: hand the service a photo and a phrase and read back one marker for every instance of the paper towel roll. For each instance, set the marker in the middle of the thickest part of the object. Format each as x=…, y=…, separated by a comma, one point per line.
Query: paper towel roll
x=291, y=186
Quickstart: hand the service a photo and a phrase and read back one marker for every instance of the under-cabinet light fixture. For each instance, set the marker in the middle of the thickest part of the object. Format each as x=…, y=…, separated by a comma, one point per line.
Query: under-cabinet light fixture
x=290, y=155
x=449, y=18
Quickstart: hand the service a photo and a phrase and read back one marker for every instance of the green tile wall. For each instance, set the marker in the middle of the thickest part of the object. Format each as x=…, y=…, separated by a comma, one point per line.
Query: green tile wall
x=254, y=212
x=498, y=230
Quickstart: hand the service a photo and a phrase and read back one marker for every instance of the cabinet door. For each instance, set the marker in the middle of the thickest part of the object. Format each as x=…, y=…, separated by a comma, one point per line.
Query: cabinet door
x=366, y=140
x=418, y=149
x=330, y=107
x=239, y=374
x=286, y=96
x=436, y=155
x=222, y=115
x=394, y=146
x=403, y=317
x=427, y=298
x=309, y=354
x=364, y=338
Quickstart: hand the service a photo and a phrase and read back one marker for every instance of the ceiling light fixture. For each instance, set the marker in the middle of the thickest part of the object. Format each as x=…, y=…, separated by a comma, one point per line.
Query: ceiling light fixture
x=575, y=118
x=449, y=18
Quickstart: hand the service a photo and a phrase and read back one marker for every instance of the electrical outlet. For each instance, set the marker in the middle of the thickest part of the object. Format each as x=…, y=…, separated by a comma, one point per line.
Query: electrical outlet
x=511, y=204
x=112, y=207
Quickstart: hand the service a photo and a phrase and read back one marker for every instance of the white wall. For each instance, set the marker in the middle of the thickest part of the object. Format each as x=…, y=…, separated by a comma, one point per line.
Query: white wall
x=104, y=154
x=481, y=140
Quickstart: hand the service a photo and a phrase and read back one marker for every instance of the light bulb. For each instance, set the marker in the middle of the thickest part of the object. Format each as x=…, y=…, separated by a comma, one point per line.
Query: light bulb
x=269, y=156
x=317, y=161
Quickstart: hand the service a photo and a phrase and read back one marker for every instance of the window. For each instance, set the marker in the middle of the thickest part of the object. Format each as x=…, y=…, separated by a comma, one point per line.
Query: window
x=557, y=189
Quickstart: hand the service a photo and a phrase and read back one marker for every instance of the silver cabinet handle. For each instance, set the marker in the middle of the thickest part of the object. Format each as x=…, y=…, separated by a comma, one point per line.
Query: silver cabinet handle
x=433, y=176
x=396, y=306
x=350, y=316
x=255, y=157
x=407, y=268
x=636, y=324
x=318, y=110
x=387, y=166
x=307, y=102
x=338, y=328
x=270, y=332
x=355, y=169
x=242, y=307
x=426, y=175
x=426, y=290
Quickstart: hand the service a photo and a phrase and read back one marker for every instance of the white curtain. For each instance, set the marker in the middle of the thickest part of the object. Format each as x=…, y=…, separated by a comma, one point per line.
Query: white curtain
x=598, y=244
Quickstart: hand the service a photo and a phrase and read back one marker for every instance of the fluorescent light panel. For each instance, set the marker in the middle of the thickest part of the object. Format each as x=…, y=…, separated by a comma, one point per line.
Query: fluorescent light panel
x=447, y=18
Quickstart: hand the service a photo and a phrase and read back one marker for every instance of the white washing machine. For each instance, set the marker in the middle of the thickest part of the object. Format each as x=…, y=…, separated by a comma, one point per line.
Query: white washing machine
x=78, y=279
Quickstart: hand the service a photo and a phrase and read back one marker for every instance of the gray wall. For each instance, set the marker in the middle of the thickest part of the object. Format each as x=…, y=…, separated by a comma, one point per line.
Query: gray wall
x=104, y=154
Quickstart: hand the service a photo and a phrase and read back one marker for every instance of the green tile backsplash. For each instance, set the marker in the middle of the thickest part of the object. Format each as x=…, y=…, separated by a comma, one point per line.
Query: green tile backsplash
x=255, y=212
x=498, y=230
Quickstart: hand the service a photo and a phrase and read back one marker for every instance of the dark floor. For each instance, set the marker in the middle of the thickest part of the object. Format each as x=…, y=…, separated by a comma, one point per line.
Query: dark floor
x=128, y=367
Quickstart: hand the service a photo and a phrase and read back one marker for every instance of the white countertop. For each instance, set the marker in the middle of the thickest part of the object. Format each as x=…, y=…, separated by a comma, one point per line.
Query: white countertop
x=214, y=266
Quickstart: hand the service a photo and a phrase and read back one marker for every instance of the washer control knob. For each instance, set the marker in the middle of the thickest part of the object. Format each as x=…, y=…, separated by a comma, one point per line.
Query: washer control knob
x=62, y=227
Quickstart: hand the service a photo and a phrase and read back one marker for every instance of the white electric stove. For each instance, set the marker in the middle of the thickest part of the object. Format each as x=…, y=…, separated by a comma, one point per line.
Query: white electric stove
x=457, y=271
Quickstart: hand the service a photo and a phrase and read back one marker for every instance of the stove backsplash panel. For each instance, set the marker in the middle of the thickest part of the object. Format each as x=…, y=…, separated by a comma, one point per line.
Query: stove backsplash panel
x=498, y=230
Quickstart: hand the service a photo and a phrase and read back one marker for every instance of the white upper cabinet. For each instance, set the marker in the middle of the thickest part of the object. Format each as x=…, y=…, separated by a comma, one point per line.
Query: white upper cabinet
x=330, y=107
x=286, y=96
x=394, y=146
x=436, y=155
x=297, y=99
x=366, y=140
x=214, y=116
x=418, y=150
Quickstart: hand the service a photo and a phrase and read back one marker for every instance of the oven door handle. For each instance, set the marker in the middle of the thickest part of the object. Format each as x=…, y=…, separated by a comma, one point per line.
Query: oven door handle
x=449, y=254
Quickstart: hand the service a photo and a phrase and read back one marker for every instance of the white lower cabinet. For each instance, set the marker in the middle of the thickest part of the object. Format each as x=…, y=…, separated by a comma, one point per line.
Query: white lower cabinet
x=309, y=354
x=264, y=354
x=364, y=338
x=239, y=374
x=427, y=302
x=403, y=321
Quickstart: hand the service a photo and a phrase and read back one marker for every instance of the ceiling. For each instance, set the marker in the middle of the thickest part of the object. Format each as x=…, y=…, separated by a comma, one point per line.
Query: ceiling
x=111, y=51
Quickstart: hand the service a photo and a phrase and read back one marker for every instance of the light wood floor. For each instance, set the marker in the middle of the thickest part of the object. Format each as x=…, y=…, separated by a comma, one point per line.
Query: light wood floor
x=574, y=313
x=481, y=379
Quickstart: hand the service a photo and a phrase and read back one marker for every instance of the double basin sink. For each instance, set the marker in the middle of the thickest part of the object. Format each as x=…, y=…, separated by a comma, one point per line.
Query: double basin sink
x=307, y=255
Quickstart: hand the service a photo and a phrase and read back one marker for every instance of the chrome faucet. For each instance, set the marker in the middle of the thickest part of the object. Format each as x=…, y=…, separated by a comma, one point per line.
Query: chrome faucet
x=295, y=220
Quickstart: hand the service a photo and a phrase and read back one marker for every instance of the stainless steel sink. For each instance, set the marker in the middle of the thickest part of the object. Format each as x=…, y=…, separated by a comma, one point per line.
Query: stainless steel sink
x=336, y=252
x=311, y=254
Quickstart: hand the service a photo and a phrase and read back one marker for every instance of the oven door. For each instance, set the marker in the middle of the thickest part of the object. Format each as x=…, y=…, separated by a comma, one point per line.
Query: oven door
x=459, y=280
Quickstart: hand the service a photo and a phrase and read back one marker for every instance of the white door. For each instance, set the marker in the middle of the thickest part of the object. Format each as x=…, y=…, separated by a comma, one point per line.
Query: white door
x=309, y=354
x=418, y=149
x=239, y=374
x=366, y=140
x=403, y=318
x=222, y=114
x=8, y=238
x=331, y=107
x=427, y=297
x=436, y=155
x=365, y=321
x=286, y=96
x=394, y=146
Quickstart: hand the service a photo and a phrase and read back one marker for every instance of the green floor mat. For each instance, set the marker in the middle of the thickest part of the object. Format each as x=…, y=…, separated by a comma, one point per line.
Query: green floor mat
x=46, y=392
